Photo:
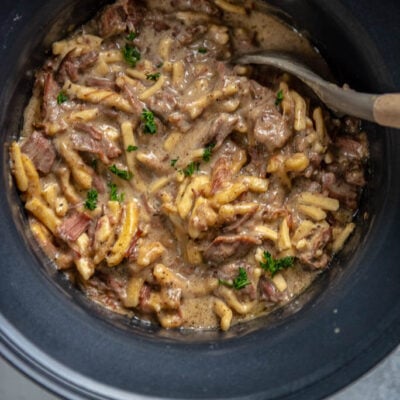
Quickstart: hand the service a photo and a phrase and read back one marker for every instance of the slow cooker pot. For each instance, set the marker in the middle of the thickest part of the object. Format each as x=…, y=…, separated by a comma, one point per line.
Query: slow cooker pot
x=333, y=333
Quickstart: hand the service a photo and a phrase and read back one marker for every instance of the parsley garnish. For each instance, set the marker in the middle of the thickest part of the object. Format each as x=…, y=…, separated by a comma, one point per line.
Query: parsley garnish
x=207, y=152
x=114, y=196
x=91, y=199
x=62, y=97
x=160, y=64
x=275, y=265
x=131, y=55
x=174, y=161
x=121, y=173
x=239, y=282
x=132, y=36
x=131, y=148
x=149, y=124
x=202, y=50
x=191, y=168
x=153, y=77
x=279, y=98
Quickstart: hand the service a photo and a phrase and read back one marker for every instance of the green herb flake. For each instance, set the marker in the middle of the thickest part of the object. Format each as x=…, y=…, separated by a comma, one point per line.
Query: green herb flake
x=202, y=50
x=191, y=168
x=131, y=55
x=273, y=266
x=114, y=196
x=239, y=282
x=62, y=97
x=149, y=123
x=153, y=77
x=132, y=36
x=121, y=173
x=91, y=199
x=131, y=148
x=279, y=98
x=174, y=161
x=160, y=64
x=208, y=152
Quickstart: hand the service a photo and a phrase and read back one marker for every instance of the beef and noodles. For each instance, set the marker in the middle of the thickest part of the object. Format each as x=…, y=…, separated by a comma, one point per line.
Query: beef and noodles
x=173, y=186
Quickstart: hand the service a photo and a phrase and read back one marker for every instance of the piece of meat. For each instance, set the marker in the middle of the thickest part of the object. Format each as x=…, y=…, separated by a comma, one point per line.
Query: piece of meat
x=131, y=254
x=202, y=6
x=355, y=176
x=340, y=190
x=98, y=183
x=269, y=290
x=122, y=16
x=239, y=222
x=157, y=22
x=163, y=103
x=104, y=148
x=136, y=104
x=351, y=149
x=258, y=161
x=224, y=247
x=103, y=83
x=73, y=65
x=50, y=93
x=190, y=34
x=221, y=173
x=315, y=254
x=41, y=151
x=271, y=129
x=90, y=129
x=144, y=299
x=210, y=131
x=73, y=226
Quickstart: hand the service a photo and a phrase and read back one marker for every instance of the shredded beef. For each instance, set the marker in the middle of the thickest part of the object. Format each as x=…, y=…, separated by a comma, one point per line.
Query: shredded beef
x=73, y=65
x=73, y=226
x=271, y=129
x=41, y=152
x=120, y=17
x=224, y=247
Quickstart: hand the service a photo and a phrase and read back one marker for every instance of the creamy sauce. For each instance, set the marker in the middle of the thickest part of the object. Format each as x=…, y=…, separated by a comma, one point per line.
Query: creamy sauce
x=172, y=185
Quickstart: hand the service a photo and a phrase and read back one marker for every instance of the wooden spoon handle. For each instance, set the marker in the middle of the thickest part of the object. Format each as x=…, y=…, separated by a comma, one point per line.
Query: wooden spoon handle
x=386, y=110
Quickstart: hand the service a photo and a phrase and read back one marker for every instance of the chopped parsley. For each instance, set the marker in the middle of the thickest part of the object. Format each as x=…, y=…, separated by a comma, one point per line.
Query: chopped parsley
x=160, y=64
x=273, y=266
x=149, y=123
x=279, y=98
x=239, y=282
x=132, y=36
x=62, y=97
x=131, y=55
x=202, y=50
x=153, y=77
x=114, y=196
x=121, y=173
x=207, y=152
x=91, y=199
x=174, y=161
x=191, y=168
x=131, y=148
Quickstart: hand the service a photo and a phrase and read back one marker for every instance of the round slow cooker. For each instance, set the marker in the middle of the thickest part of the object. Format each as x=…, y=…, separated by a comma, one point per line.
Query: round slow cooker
x=338, y=329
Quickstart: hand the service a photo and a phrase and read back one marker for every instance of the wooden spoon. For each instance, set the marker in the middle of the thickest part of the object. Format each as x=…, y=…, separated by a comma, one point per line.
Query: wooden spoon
x=384, y=109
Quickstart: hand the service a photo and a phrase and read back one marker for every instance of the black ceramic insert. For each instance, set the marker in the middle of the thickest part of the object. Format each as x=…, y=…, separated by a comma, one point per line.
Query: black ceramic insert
x=336, y=331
